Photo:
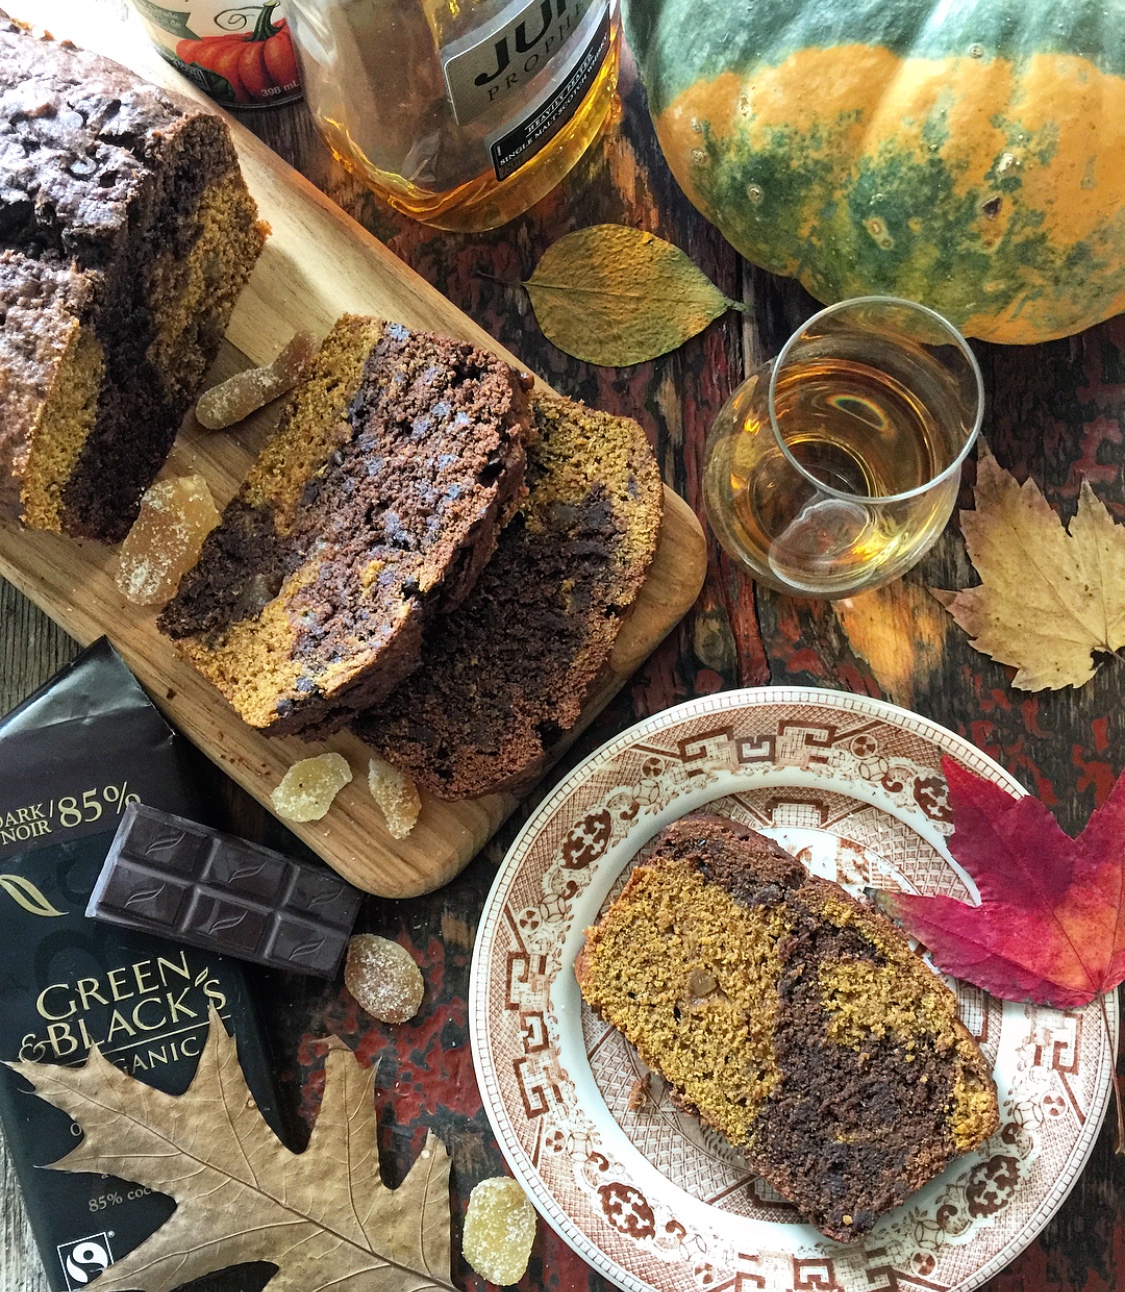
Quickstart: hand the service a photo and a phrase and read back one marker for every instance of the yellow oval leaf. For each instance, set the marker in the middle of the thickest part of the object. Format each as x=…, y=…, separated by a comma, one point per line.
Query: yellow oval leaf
x=614, y=295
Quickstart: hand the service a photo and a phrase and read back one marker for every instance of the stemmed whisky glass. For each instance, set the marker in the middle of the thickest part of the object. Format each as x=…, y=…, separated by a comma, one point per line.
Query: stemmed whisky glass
x=833, y=469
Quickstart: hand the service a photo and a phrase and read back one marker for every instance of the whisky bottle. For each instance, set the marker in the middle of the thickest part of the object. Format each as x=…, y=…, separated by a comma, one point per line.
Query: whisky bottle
x=459, y=113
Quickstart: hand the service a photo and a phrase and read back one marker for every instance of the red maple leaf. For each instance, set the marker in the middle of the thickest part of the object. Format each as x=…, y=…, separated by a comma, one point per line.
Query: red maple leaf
x=1050, y=926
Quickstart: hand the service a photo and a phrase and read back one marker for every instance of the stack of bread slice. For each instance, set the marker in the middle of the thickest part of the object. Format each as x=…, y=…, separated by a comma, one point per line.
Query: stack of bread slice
x=427, y=552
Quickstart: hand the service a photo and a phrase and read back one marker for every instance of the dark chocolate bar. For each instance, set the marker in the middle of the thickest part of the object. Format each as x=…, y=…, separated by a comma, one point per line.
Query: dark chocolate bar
x=168, y=875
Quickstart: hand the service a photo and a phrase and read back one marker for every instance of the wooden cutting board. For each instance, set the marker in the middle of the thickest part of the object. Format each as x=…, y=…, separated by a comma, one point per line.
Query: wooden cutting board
x=317, y=264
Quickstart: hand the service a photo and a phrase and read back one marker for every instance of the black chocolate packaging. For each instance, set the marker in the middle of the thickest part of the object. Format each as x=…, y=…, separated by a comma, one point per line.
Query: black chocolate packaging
x=72, y=757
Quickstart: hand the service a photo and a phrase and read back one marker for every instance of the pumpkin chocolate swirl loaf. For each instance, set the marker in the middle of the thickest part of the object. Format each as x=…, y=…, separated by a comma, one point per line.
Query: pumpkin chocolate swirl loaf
x=793, y=1019
x=126, y=233
x=502, y=679
x=371, y=510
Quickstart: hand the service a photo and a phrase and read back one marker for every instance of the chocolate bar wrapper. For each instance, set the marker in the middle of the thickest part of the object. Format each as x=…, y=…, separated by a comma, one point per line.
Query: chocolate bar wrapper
x=72, y=757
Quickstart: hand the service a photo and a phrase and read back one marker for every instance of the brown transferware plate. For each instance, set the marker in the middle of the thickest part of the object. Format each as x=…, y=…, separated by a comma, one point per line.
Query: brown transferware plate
x=647, y=1195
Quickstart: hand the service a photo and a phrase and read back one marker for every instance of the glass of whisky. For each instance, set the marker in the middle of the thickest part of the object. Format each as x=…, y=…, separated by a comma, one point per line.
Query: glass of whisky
x=833, y=469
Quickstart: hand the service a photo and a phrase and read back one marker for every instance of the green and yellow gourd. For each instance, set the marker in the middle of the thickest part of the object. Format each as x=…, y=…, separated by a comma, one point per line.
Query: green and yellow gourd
x=969, y=154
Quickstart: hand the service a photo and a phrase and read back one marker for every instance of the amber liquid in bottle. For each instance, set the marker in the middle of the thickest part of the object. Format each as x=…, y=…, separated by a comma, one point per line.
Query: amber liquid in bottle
x=459, y=113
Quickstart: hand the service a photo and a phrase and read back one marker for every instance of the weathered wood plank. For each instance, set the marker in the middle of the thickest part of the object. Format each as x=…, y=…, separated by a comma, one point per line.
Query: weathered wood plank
x=1055, y=411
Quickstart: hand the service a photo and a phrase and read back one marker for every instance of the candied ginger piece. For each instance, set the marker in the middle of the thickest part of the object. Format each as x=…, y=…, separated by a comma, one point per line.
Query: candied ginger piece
x=253, y=388
x=308, y=787
x=176, y=516
x=396, y=794
x=499, y=1231
x=383, y=978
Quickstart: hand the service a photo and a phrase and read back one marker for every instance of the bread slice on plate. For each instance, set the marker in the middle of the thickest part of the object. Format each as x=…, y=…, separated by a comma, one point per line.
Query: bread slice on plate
x=792, y=1019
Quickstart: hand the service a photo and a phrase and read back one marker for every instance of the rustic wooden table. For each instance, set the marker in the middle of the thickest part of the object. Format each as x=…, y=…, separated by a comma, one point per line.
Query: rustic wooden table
x=1054, y=412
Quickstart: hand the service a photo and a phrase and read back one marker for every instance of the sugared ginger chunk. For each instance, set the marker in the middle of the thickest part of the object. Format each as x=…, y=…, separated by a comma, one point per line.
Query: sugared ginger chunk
x=499, y=1231
x=176, y=516
x=383, y=978
x=308, y=787
x=253, y=388
x=396, y=794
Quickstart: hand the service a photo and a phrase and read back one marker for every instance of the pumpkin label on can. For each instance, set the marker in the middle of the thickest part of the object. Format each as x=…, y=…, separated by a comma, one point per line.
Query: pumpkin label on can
x=240, y=55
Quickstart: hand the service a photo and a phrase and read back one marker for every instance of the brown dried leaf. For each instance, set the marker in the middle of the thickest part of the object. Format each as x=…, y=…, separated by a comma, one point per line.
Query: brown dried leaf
x=324, y=1217
x=613, y=295
x=1048, y=598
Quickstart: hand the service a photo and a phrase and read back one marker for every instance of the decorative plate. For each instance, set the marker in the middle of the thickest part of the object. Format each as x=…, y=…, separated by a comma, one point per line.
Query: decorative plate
x=650, y=1198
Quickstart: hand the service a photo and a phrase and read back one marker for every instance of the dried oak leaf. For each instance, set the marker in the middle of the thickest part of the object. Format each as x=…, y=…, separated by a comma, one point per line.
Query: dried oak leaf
x=323, y=1217
x=1050, y=925
x=1048, y=599
x=614, y=295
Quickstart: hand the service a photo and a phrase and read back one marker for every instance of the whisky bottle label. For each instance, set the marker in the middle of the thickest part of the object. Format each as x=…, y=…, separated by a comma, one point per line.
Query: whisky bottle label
x=489, y=68
x=516, y=143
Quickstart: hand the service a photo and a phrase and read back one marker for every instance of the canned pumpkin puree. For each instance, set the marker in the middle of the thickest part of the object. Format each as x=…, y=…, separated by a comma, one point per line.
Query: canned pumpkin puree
x=239, y=54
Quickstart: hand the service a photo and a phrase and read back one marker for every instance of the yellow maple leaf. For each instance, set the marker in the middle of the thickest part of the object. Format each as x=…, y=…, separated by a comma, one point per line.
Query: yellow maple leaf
x=323, y=1217
x=1049, y=598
